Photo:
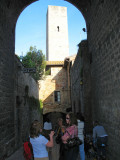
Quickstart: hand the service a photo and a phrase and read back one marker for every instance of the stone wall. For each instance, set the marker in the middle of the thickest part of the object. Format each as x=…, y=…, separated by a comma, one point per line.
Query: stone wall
x=81, y=85
x=86, y=86
x=7, y=132
x=25, y=89
x=14, y=133
x=57, y=47
x=57, y=81
x=104, y=47
x=76, y=88
x=103, y=30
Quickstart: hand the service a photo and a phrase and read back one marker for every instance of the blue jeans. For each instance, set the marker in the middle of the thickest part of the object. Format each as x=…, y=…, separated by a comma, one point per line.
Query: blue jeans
x=82, y=152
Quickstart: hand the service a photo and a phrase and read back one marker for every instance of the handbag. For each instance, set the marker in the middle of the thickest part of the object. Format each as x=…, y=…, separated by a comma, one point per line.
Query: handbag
x=72, y=142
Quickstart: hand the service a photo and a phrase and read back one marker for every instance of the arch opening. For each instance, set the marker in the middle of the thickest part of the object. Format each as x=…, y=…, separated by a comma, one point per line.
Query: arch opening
x=34, y=33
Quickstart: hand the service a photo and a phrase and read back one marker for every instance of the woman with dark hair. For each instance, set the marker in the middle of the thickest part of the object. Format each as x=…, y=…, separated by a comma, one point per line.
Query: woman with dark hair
x=39, y=142
x=71, y=132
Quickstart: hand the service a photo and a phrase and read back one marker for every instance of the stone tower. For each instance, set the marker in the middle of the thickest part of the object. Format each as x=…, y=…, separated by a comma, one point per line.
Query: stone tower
x=57, y=47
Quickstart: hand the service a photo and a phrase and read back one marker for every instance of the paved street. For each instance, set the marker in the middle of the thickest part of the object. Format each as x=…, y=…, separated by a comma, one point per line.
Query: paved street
x=18, y=155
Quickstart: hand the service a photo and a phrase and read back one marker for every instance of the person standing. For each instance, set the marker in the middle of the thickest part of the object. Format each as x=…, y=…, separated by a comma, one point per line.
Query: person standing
x=59, y=133
x=71, y=132
x=47, y=127
x=46, y=131
x=61, y=128
x=99, y=133
x=39, y=142
x=100, y=138
x=80, y=120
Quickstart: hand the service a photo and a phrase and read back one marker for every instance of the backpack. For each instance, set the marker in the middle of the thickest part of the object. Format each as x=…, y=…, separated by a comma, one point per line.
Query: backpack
x=28, y=151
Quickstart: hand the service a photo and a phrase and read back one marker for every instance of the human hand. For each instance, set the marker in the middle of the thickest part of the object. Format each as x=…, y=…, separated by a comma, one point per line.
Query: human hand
x=51, y=133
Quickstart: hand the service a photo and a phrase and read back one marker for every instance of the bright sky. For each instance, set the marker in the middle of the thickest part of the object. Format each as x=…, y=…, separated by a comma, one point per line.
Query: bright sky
x=31, y=27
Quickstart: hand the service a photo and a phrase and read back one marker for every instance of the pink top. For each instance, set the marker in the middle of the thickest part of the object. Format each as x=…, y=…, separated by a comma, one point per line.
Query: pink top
x=70, y=132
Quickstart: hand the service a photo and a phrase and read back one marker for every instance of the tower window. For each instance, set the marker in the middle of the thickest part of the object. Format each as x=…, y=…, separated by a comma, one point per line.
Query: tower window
x=57, y=96
x=58, y=28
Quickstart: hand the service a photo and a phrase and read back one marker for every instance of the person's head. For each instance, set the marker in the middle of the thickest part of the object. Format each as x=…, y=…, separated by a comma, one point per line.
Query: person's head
x=95, y=123
x=47, y=119
x=60, y=121
x=71, y=119
x=80, y=116
x=35, y=129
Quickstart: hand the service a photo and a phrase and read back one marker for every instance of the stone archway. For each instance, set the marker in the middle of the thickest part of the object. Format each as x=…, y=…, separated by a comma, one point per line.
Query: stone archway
x=103, y=23
x=9, y=13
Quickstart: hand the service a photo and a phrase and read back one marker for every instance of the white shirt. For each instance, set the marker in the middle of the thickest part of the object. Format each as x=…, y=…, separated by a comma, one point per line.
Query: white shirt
x=80, y=130
x=47, y=126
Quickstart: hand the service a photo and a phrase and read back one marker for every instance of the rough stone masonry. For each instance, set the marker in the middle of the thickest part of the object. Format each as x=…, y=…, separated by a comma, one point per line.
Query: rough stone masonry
x=103, y=35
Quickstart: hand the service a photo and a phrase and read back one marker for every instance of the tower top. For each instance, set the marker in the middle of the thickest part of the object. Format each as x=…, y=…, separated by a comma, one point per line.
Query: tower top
x=57, y=47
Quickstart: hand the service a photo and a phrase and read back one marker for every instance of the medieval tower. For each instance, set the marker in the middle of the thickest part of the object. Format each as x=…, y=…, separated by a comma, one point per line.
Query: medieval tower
x=57, y=47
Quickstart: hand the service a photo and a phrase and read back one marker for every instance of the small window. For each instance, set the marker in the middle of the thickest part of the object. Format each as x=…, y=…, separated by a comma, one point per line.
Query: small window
x=57, y=96
x=58, y=28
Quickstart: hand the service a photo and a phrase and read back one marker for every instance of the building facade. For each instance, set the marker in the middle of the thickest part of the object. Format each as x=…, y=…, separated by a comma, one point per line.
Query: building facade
x=53, y=89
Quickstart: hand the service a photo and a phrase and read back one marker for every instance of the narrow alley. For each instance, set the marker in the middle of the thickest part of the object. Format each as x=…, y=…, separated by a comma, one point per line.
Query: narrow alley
x=86, y=82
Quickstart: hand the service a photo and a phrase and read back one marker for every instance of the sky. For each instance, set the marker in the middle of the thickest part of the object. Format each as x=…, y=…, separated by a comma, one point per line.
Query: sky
x=31, y=27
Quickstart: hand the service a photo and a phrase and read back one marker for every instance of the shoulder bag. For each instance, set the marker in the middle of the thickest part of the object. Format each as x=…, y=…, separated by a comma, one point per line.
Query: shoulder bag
x=72, y=142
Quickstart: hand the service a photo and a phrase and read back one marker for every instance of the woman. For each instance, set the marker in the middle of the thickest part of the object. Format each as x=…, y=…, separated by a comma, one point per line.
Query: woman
x=39, y=142
x=60, y=132
x=71, y=132
x=61, y=127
